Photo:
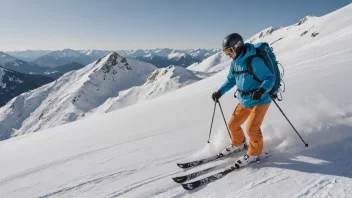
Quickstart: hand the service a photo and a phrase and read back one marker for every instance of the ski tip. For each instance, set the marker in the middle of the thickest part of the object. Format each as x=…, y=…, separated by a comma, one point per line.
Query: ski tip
x=187, y=186
x=181, y=165
x=179, y=179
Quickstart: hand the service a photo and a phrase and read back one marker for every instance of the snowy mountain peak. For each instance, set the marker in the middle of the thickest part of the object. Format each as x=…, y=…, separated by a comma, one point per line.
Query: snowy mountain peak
x=72, y=95
x=303, y=20
x=167, y=72
x=159, y=82
x=262, y=34
x=65, y=53
x=171, y=73
x=112, y=62
x=176, y=54
x=266, y=32
x=88, y=52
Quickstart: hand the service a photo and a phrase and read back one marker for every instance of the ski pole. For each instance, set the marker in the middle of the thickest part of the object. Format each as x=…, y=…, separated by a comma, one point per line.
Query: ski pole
x=212, y=120
x=224, y=119
x=289, y=122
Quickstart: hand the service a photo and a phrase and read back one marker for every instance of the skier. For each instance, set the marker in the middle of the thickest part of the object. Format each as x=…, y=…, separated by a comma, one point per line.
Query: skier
x=253, y=97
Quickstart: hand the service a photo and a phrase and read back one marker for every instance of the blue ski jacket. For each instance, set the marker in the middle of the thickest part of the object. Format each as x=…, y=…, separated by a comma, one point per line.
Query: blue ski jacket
x=245, y=82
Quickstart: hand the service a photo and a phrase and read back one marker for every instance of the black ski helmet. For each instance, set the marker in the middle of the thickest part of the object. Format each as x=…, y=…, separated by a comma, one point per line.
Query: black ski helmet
x=235, y=41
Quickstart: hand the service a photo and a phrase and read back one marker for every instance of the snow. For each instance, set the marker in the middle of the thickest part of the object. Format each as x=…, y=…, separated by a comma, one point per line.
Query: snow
x=176, y=55
x=159, y=82
x=72, y=95
x=2, y=73
x=212, y=61
x=132, y=152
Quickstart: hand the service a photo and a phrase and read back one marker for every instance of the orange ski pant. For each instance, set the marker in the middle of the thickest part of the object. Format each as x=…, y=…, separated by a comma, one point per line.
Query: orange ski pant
x=256, y=116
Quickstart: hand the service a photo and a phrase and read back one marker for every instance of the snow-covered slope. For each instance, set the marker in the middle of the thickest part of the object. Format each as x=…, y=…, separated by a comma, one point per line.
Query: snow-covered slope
x=259, y=36
x=13, y=83
x=72, y=95
x=66, y=68
x=159, y=82
x=132, y=152
x=207, y=64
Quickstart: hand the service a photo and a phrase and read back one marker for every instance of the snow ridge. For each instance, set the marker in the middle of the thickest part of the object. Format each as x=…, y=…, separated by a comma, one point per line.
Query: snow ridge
x=72, y=95
x=159, y=82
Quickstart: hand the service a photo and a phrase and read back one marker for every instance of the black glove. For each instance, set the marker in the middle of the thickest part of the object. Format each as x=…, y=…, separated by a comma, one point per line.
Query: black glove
x=216, y=96
x=258, y=94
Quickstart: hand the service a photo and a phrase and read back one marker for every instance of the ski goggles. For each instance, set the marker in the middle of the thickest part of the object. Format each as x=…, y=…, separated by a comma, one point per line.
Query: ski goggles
x=229, y=50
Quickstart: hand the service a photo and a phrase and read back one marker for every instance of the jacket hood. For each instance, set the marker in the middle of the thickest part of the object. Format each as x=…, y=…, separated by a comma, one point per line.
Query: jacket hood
x=247, y=51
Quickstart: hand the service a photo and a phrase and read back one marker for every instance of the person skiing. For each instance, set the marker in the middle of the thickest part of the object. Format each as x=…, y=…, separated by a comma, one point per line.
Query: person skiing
x=253, y=96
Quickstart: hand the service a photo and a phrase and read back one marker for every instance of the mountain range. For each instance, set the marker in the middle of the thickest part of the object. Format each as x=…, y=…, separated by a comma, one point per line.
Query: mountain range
x=72, y=95
x=159, y=57
x=159, y=82
x=54, y=64
x=14, y=83
x=63, y=57
x=28, y=55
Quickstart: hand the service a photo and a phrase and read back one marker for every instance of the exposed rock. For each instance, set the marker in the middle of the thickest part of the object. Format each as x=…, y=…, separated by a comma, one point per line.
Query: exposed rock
x=304, y=33
x=314, y=34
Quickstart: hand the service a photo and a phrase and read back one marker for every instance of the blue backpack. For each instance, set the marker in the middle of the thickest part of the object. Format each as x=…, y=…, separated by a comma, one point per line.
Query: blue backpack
x=265, y=52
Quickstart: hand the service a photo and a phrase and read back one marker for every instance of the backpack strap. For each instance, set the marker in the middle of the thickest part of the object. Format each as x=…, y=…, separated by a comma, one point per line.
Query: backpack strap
x=240, y=72
x=249, y=64
x=250, y=68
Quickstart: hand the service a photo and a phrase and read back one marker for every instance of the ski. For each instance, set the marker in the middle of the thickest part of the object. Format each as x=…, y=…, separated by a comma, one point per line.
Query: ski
x=191, y=176
x=206, y=160
x=216, y=176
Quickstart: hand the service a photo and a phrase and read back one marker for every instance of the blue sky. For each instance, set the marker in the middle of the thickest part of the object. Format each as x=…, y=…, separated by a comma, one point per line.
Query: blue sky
x=144, y=24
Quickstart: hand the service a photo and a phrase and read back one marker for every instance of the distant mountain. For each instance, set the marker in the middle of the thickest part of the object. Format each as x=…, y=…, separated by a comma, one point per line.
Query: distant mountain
x=28, y=55
x=199, y=54
x=202, y=54
x=209, y=64
x=12, y=63
x=174, y=58
x=163, y=52
x=72, y=95
x=163, y=57
x=95, y=54
x=159, y=82
x=62, y=57
x=13, y=83
x=67, y=68
x=24, y=67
